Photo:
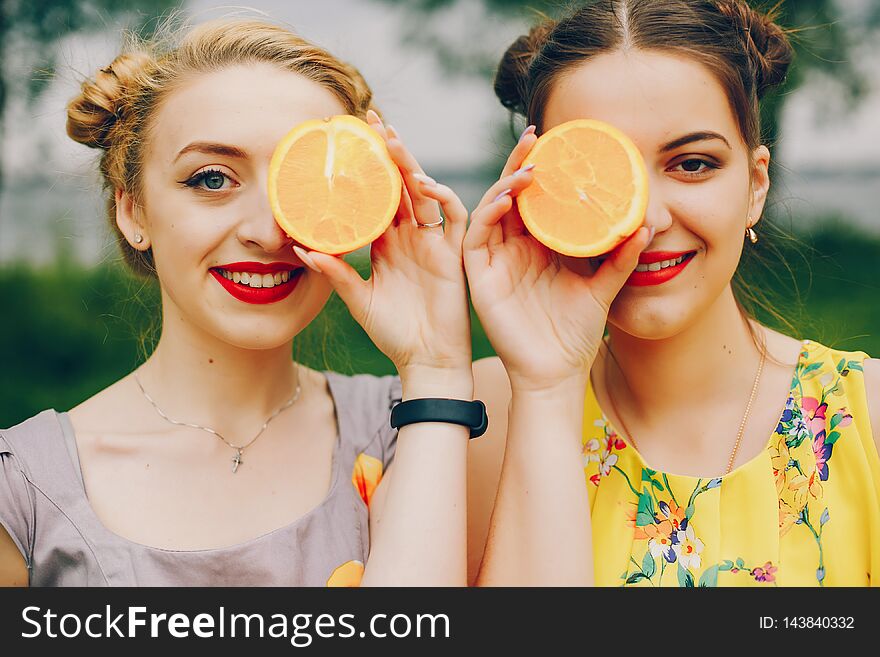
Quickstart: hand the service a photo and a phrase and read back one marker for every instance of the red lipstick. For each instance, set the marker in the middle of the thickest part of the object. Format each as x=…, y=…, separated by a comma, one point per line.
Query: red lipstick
x=259, y=295
x=644, y=278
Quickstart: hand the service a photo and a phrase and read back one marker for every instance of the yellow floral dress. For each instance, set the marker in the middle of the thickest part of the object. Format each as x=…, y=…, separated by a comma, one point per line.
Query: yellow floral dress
x=804, y=512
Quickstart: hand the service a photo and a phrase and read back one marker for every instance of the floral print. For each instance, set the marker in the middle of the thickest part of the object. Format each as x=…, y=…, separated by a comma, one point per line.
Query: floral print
x=665, y=518
x=366, y=475
x=602, y=451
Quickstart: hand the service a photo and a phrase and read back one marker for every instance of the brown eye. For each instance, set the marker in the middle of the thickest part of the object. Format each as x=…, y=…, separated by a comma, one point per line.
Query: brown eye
x=694, y=166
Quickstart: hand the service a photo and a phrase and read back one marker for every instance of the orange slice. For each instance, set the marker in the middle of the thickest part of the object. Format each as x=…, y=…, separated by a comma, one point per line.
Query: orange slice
x=332, y=184
x=590, y=190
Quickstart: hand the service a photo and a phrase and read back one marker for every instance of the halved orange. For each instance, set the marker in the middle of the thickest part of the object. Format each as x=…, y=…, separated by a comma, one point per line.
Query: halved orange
x=332, y=184
x=590, y=190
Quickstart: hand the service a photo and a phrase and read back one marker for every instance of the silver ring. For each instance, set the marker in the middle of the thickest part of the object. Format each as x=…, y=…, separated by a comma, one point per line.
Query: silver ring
x=433, y=225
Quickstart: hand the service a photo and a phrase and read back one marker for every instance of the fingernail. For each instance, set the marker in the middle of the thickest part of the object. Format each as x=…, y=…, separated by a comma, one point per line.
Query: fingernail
x=427, y=180
x=529, y=130
x=306, y=258
x=524, y=169
x=651, y=234
x=506, y=192
x=373, y=116
x=391, y=131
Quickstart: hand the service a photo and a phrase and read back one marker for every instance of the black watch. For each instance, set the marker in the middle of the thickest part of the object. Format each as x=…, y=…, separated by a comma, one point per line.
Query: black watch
x=471, y=414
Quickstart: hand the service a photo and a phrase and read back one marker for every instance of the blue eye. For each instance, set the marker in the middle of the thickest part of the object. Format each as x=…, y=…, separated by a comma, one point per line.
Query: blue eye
x=209, y=179
x=213, y=180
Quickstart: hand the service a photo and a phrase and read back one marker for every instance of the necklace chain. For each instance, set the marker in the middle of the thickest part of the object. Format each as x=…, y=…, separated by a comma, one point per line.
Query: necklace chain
x=742, y=424
x=239, y=449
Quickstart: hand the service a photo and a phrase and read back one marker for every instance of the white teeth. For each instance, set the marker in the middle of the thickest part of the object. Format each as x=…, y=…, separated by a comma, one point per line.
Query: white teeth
x=663, y=264
x=257, y=280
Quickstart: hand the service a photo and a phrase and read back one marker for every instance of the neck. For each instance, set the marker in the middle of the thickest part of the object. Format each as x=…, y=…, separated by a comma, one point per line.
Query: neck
x=694, y=368
x=195, y=377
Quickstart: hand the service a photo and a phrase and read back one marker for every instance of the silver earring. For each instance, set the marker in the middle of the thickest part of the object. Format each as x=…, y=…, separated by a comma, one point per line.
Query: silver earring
x=138, y=238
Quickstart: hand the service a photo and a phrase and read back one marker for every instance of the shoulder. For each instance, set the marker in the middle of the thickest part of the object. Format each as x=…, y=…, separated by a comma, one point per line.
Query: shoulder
x=23, y=449
x=853, y=378
x=872, y=394
x=30, y=435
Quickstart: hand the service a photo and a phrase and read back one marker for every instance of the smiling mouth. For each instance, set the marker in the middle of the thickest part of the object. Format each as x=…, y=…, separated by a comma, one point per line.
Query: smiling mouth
x=256, y=280
x=653, y=266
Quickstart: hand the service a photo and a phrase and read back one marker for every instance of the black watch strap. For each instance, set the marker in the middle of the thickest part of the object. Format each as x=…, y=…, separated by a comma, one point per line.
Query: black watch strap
x=457, y=411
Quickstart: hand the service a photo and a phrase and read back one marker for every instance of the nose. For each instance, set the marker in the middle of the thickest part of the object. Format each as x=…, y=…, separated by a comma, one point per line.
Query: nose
x=657, y=213
x=259, y=228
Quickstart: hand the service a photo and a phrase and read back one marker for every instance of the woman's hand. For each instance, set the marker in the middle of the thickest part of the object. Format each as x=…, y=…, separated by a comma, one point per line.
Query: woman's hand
x=414, y=305
x=544, y=320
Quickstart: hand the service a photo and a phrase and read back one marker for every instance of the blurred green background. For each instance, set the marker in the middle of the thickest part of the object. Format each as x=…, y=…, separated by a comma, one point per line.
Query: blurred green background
x=74, y=320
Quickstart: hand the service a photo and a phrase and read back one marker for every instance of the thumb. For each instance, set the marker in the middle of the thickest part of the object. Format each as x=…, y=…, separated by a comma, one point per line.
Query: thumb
x=351, y=288
x=620, y=263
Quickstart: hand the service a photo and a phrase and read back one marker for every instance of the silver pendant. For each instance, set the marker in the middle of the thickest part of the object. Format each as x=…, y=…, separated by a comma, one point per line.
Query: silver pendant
x=236, y=461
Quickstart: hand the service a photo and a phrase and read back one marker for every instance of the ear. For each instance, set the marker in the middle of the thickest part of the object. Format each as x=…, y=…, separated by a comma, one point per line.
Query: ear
x=128, y=218
x=760, y=185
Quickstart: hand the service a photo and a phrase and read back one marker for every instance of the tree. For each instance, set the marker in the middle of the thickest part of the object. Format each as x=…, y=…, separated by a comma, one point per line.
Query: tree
x=823, y=42
x=29, y=29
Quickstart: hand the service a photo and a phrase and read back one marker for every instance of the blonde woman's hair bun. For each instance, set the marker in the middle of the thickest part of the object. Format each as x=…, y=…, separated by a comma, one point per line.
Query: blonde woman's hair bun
x=104, y=99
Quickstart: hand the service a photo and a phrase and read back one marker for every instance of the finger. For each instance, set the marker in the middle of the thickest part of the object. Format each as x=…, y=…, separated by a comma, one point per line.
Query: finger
x=453, y=209
x=351, y=288
x=375, y=122
x=425, y=210
x=512, y=224
x=514, y=161
x=515, y=182
x=405, y=216
x=484, y=221
x=612, y=274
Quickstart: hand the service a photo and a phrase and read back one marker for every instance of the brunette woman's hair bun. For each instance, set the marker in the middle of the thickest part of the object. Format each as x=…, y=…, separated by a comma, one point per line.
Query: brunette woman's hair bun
x=102, y=101
x=766, y=42
x=512, y=77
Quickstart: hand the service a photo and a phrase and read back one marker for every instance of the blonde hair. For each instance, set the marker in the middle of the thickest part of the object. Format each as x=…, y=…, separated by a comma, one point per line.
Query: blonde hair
x=114, y=109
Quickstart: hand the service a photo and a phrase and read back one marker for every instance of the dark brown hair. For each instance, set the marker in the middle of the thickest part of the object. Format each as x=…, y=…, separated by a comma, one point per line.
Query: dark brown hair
x=743, y=47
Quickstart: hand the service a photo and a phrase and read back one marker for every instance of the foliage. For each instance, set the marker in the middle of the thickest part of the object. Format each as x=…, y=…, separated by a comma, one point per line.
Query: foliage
x=29, y=29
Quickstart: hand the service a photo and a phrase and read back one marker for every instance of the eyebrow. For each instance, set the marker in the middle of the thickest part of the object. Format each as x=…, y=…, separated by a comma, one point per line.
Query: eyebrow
x=703, y=135
x=211, y=149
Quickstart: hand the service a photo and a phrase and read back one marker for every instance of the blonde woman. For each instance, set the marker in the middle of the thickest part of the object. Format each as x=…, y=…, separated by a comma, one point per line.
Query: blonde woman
x=692, y=446
x=220, y=461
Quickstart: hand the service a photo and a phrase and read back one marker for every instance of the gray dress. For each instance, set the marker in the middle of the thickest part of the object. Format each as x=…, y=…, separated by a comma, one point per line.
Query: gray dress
x=44, y=508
